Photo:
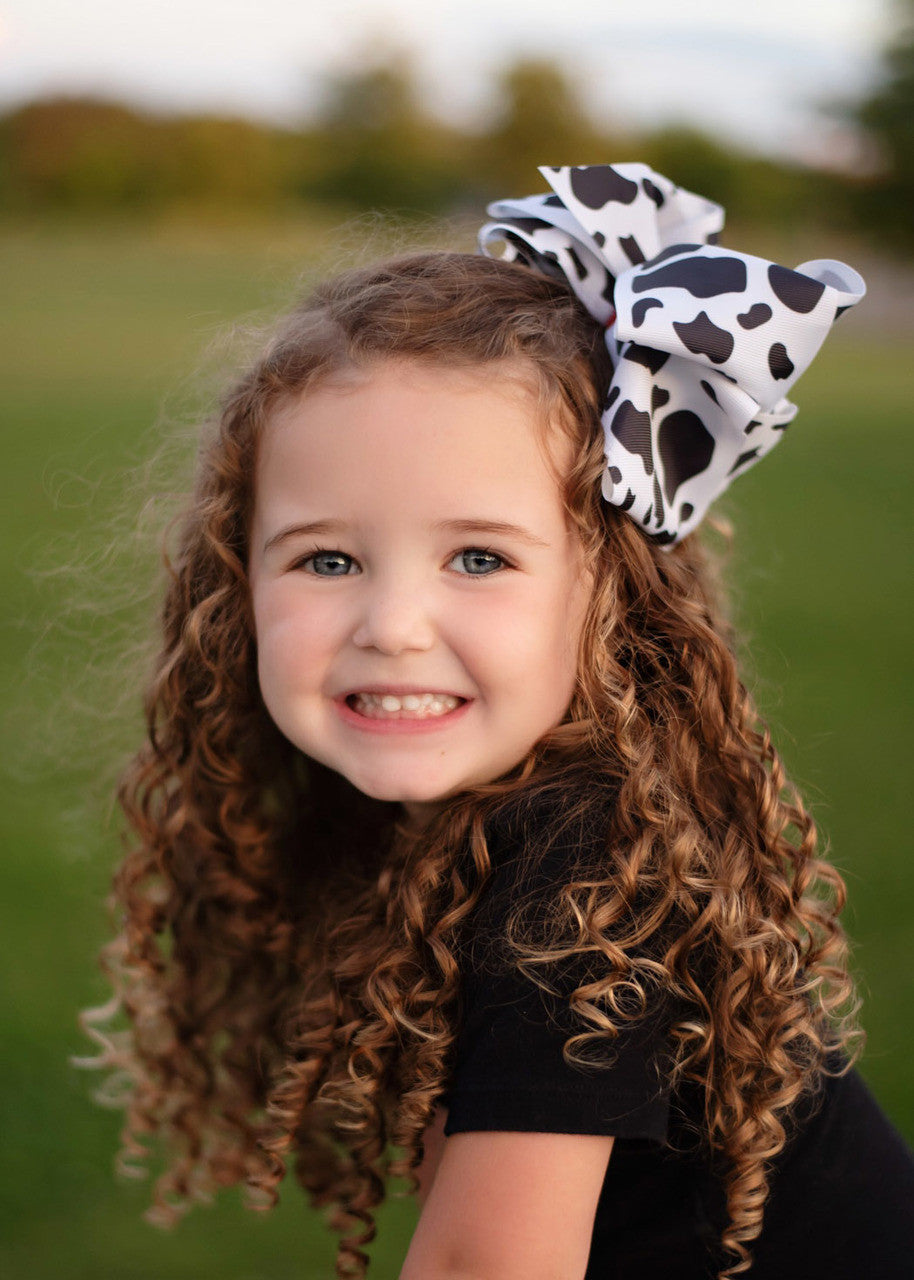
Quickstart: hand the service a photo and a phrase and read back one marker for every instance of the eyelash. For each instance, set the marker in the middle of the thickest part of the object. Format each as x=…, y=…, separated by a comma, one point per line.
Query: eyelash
x=316, y=551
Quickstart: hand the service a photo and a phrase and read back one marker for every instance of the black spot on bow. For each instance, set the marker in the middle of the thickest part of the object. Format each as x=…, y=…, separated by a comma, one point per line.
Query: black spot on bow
x=751, y=427
x=702, y=337
x=796, y=291
x=613, y=396
x=779, y=361
x=841, y=310
x=650, y=357
x=553, y=201
x=530, y=224
x=686, y=448
x=743, y=458
x=598, y=185
x=673, y=252
x=654, y=192
x=685, y=511
x=658, y=502
x=599, y=238
x=629, y=500
x=519, y=243
x=761, y=313
x=659, y=397
x=578, y=264
x=641, y=308
x=709, y=391
x=615, y=474
x=632, y=429
x=545, y=261
x=702, y=277
x=632, y=250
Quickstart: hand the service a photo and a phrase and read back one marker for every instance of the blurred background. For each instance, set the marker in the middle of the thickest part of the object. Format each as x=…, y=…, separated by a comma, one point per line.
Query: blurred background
x=170, y=176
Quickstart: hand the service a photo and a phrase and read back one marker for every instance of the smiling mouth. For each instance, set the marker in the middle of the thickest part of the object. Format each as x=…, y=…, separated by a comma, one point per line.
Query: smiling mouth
x=423, y=706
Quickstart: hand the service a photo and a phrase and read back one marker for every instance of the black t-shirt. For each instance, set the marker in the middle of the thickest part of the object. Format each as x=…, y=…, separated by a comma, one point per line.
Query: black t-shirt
x=841, y=1203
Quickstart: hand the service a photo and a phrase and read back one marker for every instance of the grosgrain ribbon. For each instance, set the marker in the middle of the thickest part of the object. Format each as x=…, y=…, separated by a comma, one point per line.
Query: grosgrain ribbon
x=705, y=342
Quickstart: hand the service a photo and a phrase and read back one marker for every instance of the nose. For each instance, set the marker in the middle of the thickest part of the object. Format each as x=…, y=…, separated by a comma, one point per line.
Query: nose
x=394, y=618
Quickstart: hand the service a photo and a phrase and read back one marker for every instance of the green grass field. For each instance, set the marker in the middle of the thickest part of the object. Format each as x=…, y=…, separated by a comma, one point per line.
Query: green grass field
x=103, y=332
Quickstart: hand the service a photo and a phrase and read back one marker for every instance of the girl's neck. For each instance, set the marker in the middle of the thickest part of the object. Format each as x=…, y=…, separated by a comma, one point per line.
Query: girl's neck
x=418, y=813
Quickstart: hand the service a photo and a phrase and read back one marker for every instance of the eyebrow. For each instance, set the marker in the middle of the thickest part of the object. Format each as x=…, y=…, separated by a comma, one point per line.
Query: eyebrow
x=501, y=528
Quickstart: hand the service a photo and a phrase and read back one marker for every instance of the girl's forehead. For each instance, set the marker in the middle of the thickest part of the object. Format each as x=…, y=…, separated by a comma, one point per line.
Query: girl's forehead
x=517, y=378
x=404, y=449
x=485, y=422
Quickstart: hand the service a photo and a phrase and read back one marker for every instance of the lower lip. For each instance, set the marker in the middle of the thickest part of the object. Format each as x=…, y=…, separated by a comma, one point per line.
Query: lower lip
x=427, y=724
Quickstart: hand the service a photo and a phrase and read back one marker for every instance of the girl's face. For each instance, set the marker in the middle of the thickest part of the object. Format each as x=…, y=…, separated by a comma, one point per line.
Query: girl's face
x=409, y=538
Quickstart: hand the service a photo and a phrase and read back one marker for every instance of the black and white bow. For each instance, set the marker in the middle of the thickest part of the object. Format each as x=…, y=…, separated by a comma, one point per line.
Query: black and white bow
x=705, y=342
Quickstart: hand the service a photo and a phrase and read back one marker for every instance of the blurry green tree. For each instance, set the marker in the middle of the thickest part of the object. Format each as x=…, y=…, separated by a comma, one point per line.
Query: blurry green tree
x=81, y=153
x=207, y=159
x=374, y=144
x=541, y=120
x=695, y=161
x=752, y=188
x=887, y=114
x=74, y=151
x=377, y=147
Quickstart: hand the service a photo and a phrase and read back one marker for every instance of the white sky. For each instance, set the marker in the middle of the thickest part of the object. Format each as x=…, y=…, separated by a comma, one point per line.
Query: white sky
x=754, y=71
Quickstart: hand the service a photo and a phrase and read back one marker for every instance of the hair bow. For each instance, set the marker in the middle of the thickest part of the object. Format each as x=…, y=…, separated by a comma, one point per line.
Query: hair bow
x=705, y=342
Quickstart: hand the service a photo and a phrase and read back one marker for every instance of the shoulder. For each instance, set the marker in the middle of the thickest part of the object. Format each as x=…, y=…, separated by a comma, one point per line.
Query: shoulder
x=537, y=843
x=524, y=968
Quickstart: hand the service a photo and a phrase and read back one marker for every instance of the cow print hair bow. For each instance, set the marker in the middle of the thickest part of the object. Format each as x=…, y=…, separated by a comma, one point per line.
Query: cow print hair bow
x=705, y=342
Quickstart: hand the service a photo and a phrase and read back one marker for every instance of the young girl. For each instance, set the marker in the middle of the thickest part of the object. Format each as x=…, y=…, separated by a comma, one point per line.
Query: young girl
x=455, y=829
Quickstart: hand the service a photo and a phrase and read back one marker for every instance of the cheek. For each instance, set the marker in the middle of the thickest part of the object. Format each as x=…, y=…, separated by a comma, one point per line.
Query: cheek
x=558, y=652
x=292, y=637
x=529, y=647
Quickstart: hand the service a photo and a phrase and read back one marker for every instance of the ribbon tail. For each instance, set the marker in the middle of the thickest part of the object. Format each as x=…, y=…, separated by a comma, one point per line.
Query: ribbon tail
x=676, y=436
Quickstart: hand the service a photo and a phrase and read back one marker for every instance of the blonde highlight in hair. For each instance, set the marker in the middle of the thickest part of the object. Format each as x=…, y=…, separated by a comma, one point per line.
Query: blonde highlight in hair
x=287, y=952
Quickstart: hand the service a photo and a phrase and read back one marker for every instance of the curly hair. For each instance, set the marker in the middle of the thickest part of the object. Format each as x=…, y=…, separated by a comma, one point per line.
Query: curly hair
x=287, y=948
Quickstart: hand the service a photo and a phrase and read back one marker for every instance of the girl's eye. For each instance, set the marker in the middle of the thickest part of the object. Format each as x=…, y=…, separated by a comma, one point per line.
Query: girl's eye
x=337, y=563
x=480, y=561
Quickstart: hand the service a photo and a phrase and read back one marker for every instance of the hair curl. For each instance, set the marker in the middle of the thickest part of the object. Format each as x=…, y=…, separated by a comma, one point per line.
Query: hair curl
x=287, y=947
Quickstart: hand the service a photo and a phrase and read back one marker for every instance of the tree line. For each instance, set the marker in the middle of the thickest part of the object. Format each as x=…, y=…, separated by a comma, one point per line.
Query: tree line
x=374, y=145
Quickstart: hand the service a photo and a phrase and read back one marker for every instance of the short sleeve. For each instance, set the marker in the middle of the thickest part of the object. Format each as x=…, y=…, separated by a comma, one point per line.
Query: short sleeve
x=509, y=1072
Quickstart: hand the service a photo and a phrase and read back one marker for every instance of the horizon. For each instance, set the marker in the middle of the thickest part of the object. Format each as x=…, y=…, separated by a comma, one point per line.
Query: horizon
x=769, y=76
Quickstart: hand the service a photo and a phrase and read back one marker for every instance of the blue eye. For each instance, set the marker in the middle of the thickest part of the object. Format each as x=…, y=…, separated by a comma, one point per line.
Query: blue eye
x=334, y=558
x=478, y=562
x=478, y=556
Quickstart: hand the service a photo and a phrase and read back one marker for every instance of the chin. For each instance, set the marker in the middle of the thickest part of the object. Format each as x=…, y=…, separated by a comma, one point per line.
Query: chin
x=393, y=791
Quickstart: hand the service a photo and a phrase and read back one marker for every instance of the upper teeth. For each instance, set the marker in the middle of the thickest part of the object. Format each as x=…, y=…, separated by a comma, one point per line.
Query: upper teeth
x=410, y=701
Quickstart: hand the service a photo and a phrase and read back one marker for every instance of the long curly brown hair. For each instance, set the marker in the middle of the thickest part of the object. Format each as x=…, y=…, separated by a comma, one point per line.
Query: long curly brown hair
x=287, y=947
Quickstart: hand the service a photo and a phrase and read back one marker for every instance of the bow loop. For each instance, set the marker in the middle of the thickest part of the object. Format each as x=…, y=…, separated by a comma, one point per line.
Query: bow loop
x=550, y=241
x=631, y=212
x=759, y=323
x=705, y=341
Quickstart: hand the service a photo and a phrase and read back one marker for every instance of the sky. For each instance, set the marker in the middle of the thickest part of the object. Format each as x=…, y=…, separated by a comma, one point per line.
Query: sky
x=756, y=73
